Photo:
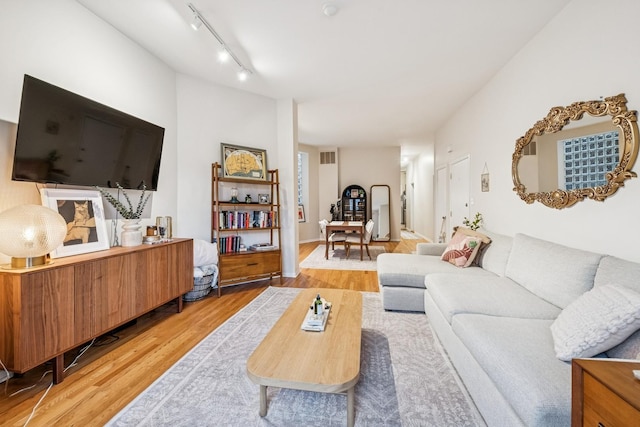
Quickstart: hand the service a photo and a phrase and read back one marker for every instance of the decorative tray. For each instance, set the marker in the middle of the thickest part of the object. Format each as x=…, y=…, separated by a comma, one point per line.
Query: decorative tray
x=314, y=322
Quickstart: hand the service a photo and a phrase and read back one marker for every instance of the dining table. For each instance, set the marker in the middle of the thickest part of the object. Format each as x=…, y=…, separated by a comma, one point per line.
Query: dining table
x=346, y=226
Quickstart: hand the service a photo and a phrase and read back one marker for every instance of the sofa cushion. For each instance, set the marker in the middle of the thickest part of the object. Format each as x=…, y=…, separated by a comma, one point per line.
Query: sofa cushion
x=618, y=271
x=628, y=349
x=625, y=273
x=462, y=249
x=518, y=356
x=409, y=270
x=495, y=296
x=430, y=248
x=494, y=256
x=557, y=273
x=597, y=321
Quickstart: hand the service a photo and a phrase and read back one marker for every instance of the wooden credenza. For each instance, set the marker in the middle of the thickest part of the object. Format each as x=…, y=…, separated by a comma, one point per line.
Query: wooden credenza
x=604, y=393
x=46, y=311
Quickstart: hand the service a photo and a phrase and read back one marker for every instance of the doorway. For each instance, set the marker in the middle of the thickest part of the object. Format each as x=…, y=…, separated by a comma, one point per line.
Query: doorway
x=458, y=192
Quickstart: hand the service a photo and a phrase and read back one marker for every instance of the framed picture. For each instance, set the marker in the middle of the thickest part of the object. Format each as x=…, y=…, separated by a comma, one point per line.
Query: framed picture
x=484, y=182
x=243, y=162
x=301, y=216
x=263, y=199
x=83, y=212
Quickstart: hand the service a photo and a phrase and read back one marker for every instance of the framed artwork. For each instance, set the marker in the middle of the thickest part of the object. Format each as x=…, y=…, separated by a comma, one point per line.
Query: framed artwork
x=243, y=162
x=484, y=182
x=83, y=212
x=263, y=199
x=301, y=216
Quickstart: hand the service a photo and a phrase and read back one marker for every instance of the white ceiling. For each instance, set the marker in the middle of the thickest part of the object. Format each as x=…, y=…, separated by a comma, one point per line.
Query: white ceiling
x=378, y=73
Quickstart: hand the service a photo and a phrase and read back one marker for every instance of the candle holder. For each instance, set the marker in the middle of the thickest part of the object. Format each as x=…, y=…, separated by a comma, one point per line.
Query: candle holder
x=234, y=195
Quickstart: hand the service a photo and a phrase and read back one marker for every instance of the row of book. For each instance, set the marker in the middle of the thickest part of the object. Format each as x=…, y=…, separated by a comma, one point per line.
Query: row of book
x=229, y=244
x=247, y=219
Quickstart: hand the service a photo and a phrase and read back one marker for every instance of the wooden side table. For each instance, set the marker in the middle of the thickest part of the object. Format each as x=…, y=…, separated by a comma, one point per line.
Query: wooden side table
x=604, y=393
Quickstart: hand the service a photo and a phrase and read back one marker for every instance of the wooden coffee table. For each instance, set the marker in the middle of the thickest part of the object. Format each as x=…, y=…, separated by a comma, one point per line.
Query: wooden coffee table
x=326, y=362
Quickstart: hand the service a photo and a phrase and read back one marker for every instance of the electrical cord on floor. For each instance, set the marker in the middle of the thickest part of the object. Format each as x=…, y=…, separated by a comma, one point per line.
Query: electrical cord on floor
x=72, y=364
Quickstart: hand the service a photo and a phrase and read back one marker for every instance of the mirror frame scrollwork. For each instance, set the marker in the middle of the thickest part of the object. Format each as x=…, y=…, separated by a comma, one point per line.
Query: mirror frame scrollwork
x=558, y=117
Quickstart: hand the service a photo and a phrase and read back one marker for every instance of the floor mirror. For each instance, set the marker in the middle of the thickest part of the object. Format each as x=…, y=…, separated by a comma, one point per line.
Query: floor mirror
x=380, y=200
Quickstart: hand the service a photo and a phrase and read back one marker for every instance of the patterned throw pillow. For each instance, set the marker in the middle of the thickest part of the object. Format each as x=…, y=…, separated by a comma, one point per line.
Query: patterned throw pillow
x=597, y=321
x=461, y=250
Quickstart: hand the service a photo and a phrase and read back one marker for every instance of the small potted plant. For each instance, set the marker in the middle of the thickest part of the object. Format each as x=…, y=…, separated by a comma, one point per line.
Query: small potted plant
x=131, y=235
x=475, y=224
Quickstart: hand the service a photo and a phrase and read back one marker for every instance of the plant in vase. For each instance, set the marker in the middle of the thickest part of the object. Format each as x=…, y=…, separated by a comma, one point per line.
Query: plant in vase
x=475, y=223
x=131, y=235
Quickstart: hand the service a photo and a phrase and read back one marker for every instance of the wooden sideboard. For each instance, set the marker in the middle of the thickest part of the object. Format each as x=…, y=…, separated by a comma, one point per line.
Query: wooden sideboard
x=46, y=311
x=604, y=393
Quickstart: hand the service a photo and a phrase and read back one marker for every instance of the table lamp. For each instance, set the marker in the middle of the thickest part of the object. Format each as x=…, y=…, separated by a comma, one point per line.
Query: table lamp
x=29, y=233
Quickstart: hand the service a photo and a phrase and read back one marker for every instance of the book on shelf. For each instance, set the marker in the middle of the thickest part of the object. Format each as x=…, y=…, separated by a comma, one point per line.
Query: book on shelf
x=263, y=247
x=232, y=220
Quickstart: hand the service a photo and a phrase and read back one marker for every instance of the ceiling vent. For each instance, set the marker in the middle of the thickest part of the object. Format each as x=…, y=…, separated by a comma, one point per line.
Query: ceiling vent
x=327, y=157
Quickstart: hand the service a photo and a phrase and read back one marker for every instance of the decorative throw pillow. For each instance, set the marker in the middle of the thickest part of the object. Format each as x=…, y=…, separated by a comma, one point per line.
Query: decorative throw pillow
x=462, y=249
x=597, y=321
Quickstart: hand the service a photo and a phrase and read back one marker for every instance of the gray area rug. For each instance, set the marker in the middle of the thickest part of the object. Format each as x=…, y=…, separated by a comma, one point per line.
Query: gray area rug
x=406, y=379
x=337, y=259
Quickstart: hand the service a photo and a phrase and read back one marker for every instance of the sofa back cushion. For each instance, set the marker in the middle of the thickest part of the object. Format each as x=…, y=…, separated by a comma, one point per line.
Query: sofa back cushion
x=556, y=273
x=617, y=270
x=625, y=273
x=495, y=255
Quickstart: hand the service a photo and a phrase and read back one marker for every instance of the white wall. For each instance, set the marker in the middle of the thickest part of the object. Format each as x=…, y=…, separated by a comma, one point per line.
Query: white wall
x=373, y=166
x=582, y=54
x=61, y=42
x=209, y=114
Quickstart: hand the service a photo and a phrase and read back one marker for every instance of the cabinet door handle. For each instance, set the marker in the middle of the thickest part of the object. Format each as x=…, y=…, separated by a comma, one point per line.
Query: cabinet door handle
x=255, y=263
x=600, y=425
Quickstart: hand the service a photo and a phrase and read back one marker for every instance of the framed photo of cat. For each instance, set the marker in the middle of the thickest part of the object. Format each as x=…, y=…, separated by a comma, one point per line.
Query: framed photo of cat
x=83, y=212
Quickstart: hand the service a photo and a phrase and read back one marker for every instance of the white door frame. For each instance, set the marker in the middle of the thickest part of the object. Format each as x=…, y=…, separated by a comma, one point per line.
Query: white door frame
x=459, y=191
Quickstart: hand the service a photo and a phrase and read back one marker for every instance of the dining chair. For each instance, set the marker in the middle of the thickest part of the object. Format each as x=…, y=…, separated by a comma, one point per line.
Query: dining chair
x=354, y=238
x=333, y=237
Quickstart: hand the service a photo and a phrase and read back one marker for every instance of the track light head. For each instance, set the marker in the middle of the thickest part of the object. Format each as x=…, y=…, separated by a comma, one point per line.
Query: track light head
x=223, y=55
x=243, y=74
x=196, y=23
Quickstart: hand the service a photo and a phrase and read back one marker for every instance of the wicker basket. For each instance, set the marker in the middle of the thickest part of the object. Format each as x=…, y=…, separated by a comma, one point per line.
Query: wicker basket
x=201, y=288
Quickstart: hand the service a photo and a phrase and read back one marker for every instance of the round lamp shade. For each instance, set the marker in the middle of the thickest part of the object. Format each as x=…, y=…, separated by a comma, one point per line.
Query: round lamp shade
x=30, y=231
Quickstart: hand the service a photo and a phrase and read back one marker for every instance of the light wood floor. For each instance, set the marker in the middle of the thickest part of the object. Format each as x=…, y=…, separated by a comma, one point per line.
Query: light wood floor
x=120, y=366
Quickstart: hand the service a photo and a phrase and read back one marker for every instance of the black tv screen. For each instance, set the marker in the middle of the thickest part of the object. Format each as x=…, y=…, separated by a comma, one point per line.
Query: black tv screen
x=65, y=138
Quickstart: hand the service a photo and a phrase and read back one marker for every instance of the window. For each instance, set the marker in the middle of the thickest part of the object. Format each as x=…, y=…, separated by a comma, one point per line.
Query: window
x=585, y=161
x=303, y=180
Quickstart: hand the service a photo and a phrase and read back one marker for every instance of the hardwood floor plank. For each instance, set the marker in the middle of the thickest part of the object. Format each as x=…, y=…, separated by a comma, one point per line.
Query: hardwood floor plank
x=114, y=371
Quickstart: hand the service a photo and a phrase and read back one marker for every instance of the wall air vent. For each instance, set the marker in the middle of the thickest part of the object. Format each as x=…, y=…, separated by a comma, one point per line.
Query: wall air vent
x=327, y=158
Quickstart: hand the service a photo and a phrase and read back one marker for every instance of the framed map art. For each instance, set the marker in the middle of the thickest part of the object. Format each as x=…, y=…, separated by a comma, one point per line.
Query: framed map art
x=243, y=162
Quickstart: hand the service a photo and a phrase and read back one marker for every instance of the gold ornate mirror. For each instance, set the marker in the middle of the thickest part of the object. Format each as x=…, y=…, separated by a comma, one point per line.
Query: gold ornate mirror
x=584, y=150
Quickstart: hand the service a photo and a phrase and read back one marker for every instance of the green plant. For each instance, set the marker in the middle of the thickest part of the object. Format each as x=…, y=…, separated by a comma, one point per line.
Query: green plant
x=127, y=212
x=475, y=224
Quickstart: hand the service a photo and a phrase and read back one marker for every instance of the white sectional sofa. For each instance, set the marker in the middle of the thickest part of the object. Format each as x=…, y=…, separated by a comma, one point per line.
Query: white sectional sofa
x=494, y=319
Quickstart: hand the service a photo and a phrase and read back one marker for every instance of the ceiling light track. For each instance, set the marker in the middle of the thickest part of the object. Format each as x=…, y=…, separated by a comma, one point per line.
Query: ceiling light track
x=199, y=20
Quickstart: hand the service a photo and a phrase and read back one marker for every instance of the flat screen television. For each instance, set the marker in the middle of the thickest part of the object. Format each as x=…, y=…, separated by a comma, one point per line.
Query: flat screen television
x=65, y=138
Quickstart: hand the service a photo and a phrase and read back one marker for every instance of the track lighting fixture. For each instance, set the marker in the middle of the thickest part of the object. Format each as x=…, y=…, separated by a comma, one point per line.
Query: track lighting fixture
x=226, y=52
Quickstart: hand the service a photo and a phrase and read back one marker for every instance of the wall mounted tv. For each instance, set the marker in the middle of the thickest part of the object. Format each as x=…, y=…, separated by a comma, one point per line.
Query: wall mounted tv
x=65, y=138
